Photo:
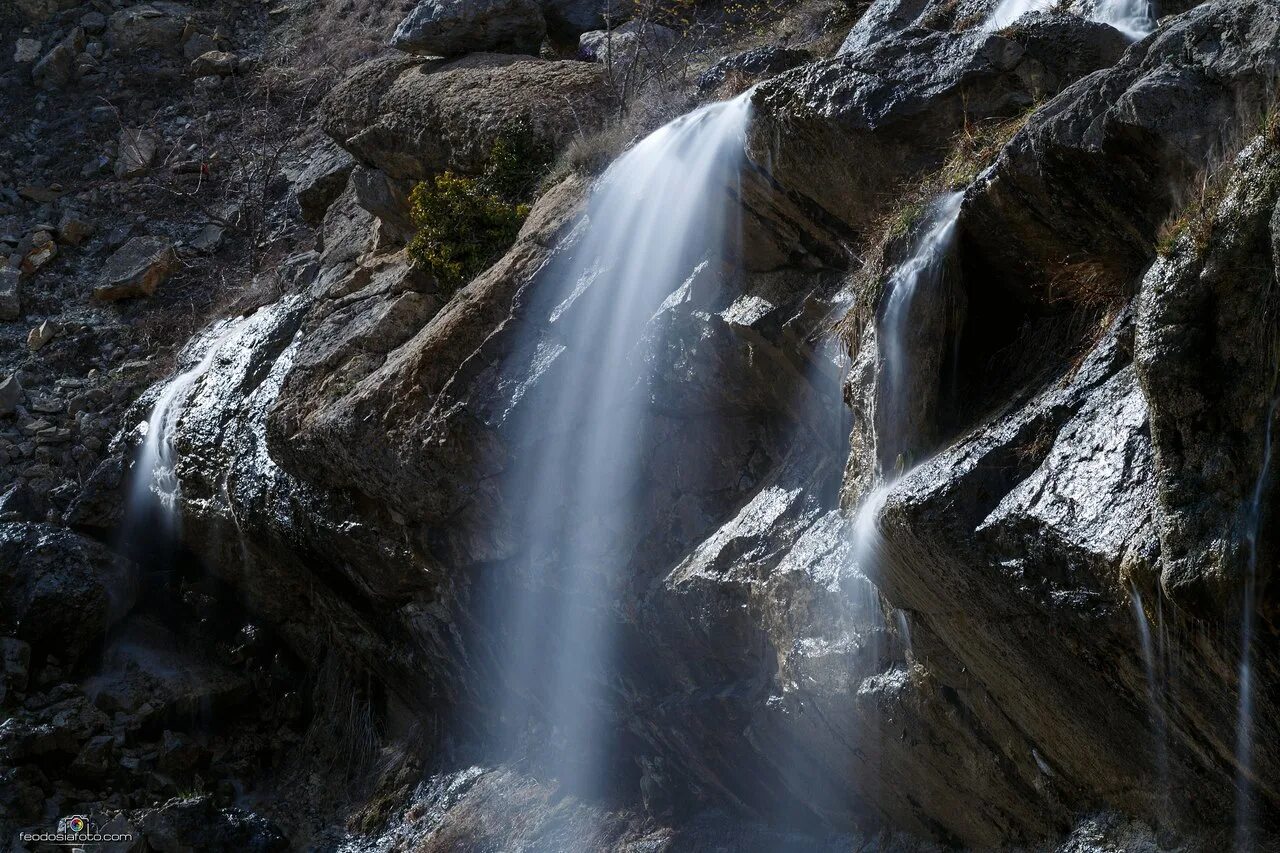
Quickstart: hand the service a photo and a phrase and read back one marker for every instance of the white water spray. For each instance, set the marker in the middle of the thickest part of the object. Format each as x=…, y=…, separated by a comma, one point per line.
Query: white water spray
x=1244, y=712
x=661, y=213
x=155, y=476
x=1133, y=18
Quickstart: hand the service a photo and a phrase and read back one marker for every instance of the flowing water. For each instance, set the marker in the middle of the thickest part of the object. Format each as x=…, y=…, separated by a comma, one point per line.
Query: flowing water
x=894, y=435
x=156, y=490
x=1244, y=712
x=660, y=214
x=1133, y=18
x=1155, y=693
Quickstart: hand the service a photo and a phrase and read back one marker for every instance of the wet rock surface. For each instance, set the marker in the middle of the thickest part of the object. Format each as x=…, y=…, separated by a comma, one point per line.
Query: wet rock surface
x=306, y=666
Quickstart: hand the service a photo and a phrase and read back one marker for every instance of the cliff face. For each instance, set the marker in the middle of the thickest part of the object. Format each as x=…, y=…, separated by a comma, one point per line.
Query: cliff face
x=1029, y=605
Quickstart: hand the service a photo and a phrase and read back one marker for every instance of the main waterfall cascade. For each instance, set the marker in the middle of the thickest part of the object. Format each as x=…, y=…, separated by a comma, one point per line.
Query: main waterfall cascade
x=658, y=218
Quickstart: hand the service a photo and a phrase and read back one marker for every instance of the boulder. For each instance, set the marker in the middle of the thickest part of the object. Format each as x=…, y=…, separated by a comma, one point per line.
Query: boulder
x=136, y=269
x=413, y=120
x=59, y=592
x=630, y=43
x=26, y=51
x=43, y=250
x=321, y=180
x=215, y=63
x=456, y=27
x=842, y=134
x=73, y=229
x=1081, y=192
x=58, y=67
x=10, y=293
x=153, y=26
x=753, y=65
x=11, y=394
x=135, y=149
x=41, y=335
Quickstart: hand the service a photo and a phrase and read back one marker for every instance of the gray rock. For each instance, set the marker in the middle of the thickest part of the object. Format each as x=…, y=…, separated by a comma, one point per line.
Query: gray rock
x=94, y=759
x=322, y=179
x=455, y=27
x=843, y=133
x=41, y=335
x=73, y=229
x=136, y=148
x=11, y=394
x=10, y=293
x=753, y=65
x=631, y=42
x=154, y=26
x=26, y=51
x=413, y=120
x=197, y=45
x=1082, y=190
x=136, y=269
x=215, y=63
x=196, y=823
x=93, y=22
x=1200, y=320
x=58, y=67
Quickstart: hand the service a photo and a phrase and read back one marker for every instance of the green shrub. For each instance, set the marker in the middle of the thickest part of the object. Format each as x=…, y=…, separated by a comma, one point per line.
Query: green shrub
x=466, y=222
x=461, y=228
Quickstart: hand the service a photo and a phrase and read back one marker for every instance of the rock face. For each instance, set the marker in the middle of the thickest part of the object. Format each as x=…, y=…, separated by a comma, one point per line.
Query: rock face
x=1042, y=213
x=1195, y=322
x=455, y=27
x=1034, y=615
x=885, y=112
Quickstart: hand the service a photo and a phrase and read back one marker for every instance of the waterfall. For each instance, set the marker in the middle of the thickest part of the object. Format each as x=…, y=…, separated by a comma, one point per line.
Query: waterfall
x=1154, y=693
x=659, y=216
x=1133, y=18
x=895, y=433
x=1244, y=711
x=155, y=489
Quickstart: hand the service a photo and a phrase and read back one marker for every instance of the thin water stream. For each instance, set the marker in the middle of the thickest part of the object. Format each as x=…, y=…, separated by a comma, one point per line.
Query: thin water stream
x=1245, y=818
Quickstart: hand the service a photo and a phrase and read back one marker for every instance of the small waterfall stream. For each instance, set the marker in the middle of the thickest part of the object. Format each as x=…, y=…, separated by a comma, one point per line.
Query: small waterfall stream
x=155, y=489
x=1155, y=693
x=894, y=433
x=1134, y=18
x=658, y=216
x=1245, y=818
